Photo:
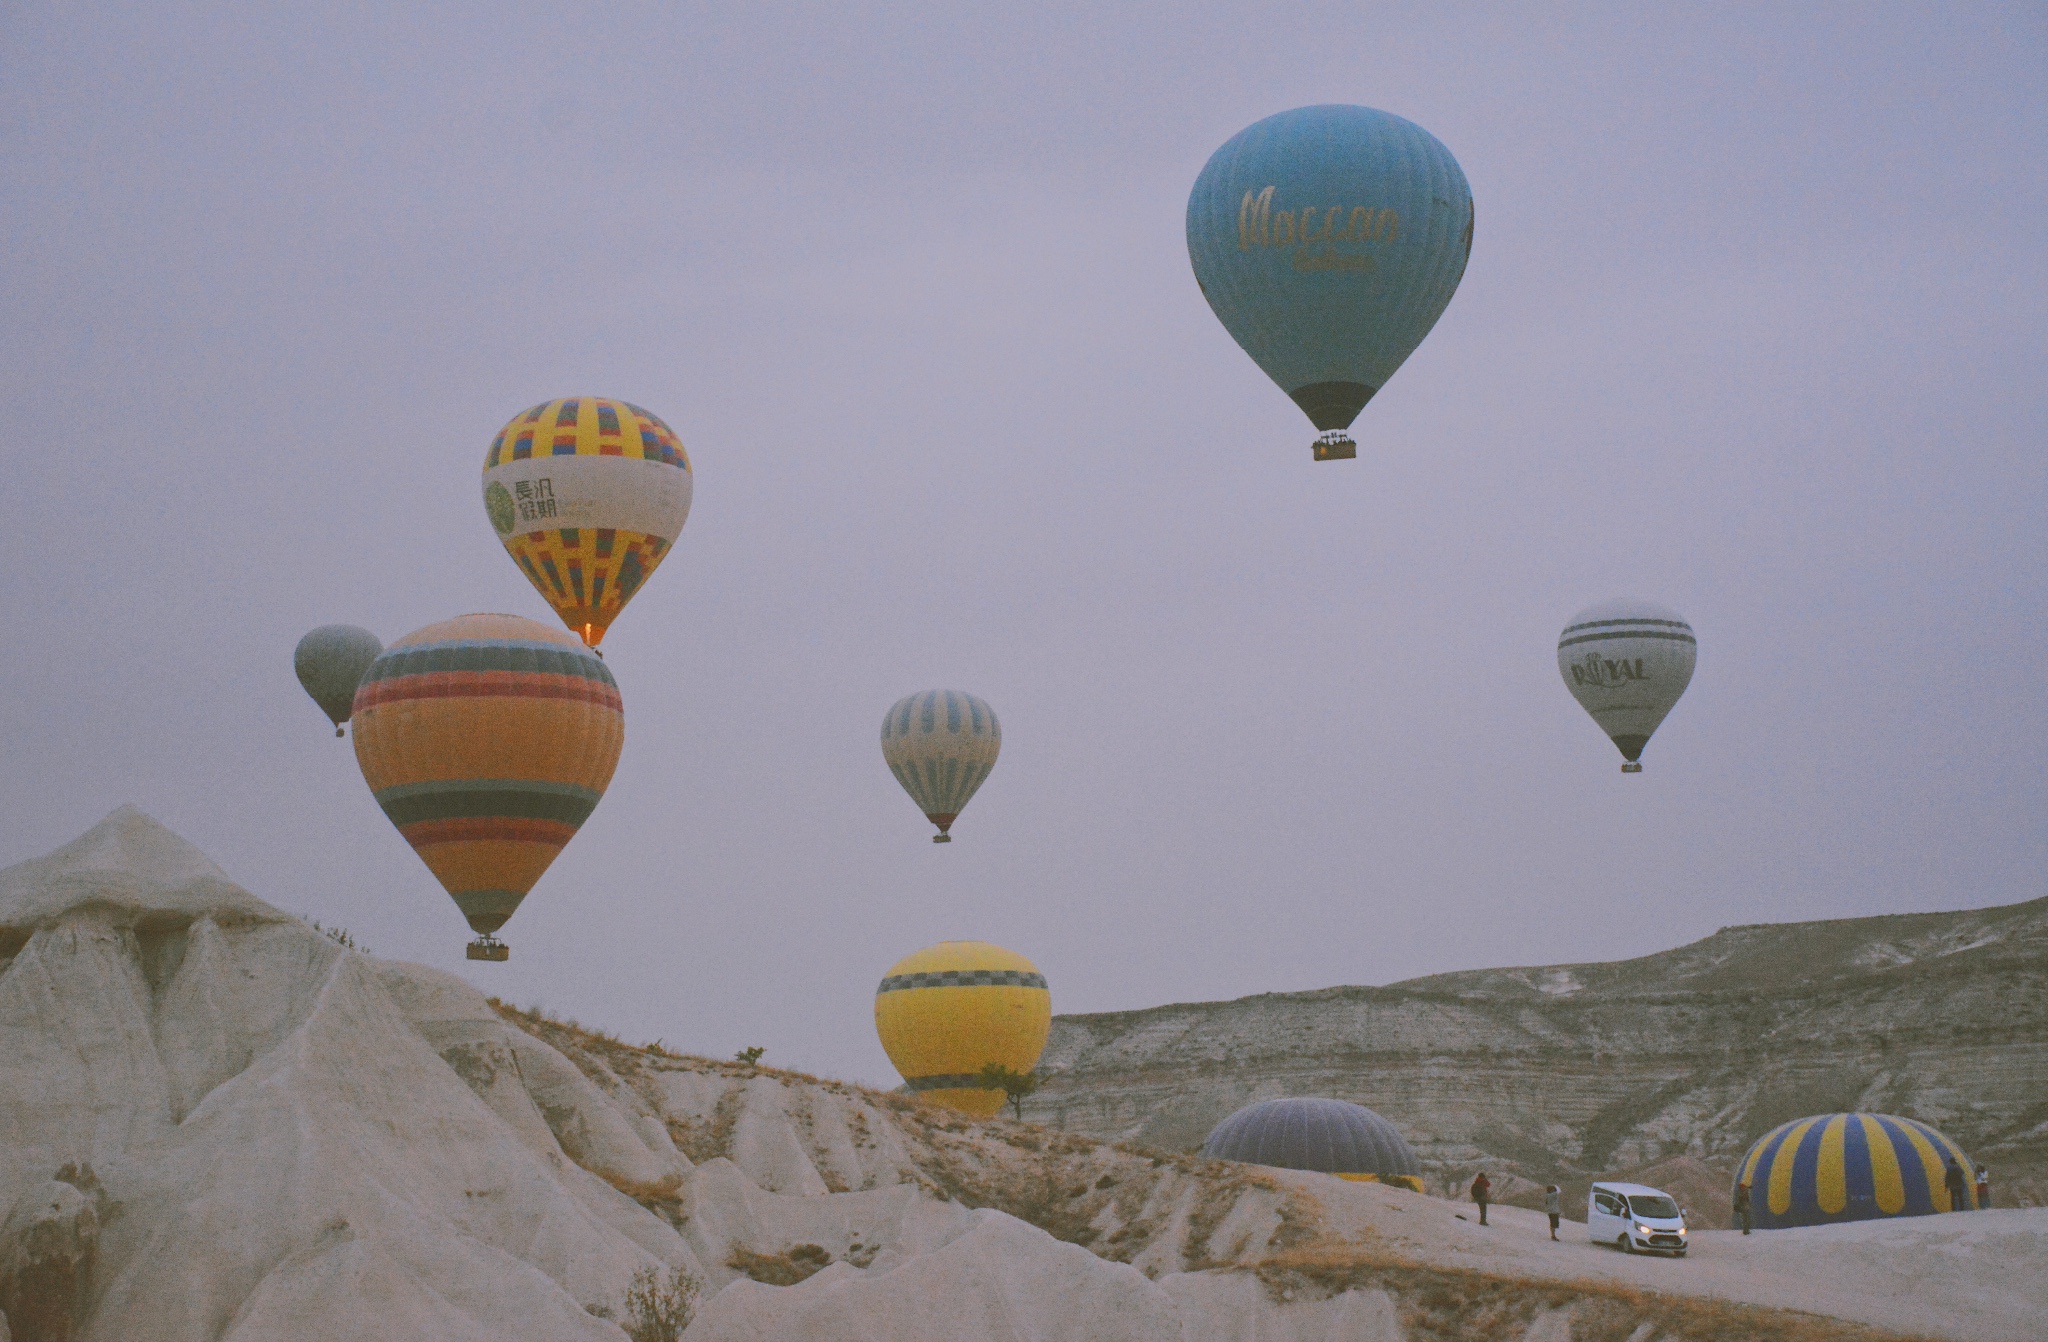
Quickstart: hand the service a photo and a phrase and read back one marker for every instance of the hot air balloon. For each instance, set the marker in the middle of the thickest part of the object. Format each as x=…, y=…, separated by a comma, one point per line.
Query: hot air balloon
x=1329, y=240
x=1850, y=1167
x=488, y=740
x=1626, y=662
x=1310, y=1132
x=941, y=744
x=330, y=662
x=587, y=496
x=952, y=1009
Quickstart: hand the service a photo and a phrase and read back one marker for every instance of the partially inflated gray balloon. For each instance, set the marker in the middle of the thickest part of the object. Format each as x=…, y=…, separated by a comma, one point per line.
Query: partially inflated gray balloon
x=330, y=662
x=1626, y=662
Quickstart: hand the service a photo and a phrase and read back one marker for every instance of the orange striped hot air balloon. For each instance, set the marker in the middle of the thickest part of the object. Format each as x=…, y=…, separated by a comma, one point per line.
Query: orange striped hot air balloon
x=488, y=740
x=587, y=495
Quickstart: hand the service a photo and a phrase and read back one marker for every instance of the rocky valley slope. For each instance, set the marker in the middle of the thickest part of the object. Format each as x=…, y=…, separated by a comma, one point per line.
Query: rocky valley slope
x=219, y=1125
x=1673, y=1062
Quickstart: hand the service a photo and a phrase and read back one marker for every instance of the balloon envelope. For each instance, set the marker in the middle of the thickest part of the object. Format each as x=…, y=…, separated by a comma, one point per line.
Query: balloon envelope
x=950, y=1010
x=941, y=745
x=1329, y=240
x=1314, y=1133
x=1850, y=1167
x=587, y=496
x=488, y=740
x=1626, y=662
x=330, y=663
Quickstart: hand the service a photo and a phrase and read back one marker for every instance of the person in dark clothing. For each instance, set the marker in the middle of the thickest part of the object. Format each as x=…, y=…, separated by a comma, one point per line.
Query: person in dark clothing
x=1983, y=1188
x=1742, y=1207
x=1958, y=1187
x=1482, y=1192
x=1551, y=1208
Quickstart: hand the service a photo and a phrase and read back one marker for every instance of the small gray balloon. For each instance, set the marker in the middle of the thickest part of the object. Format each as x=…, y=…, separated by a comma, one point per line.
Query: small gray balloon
x=330, y=662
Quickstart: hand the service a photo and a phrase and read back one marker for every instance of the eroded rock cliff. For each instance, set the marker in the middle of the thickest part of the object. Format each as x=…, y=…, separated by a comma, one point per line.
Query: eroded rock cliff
x=1570, y=1072
x=219, y=1125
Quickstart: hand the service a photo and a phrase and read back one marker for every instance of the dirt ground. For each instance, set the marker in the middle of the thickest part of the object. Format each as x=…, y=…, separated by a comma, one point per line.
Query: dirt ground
x=1976, y=1276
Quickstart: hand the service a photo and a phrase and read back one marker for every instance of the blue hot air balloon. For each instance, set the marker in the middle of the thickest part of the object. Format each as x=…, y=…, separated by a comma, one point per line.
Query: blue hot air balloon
x=1329, y=240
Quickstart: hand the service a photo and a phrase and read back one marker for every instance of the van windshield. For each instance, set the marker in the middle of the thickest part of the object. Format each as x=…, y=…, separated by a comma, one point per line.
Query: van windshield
x=1660, y=1209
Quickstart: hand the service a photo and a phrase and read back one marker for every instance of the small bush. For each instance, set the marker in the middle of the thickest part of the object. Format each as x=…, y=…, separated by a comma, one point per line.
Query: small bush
x=751, y=1055
x=340, y=937
x=1016, y=1086
x=659, y=1305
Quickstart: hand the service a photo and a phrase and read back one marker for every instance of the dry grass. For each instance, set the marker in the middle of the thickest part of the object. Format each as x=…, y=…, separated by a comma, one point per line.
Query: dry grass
x=1117, y=1199
x=797, y=1263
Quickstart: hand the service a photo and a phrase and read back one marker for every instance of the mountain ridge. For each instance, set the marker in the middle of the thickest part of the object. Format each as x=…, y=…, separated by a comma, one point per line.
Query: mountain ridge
x=1563, y=1073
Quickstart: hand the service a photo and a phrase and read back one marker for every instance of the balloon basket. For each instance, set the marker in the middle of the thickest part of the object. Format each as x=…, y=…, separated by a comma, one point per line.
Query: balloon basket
x=488, y=948
x=1336, y=445
x=942, y=838
x=1631, y=768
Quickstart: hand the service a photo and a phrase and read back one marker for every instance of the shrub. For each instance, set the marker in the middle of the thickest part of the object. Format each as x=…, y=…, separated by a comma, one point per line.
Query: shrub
x=1014, y=1085
x=659, y=1305
x=340, y=937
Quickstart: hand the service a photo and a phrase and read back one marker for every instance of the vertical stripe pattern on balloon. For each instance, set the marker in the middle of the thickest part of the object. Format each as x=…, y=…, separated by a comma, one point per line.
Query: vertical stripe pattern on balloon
x=1850, y=1167
x=941, y=746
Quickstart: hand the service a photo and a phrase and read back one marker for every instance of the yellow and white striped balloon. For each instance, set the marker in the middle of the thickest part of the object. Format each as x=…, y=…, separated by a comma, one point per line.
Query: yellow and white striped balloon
x=941, y=744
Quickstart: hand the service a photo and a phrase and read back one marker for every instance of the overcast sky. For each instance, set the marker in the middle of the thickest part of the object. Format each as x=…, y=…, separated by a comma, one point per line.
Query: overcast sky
x=1753, y=327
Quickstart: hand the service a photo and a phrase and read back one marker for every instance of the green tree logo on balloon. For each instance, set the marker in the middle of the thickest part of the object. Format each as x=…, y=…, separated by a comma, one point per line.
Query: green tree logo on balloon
x=498, y=503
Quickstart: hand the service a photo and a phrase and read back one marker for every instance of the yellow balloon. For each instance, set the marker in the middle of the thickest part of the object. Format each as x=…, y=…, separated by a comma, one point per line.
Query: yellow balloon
x=952, y=1009
x=587, y=495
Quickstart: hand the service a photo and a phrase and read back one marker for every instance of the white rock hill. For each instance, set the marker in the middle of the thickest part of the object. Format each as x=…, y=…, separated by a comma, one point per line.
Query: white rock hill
x=217, y=1125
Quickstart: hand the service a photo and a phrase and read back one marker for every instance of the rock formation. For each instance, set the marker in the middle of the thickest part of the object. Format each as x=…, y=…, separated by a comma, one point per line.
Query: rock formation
x=1570, y=1072
x=219, y=1125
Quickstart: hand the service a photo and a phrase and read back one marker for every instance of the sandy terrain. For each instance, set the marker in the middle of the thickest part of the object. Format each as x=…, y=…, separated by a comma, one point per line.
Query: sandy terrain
x=1979, y=1275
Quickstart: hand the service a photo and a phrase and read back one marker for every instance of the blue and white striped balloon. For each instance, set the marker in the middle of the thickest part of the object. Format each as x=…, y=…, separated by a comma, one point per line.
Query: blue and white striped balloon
x=941, y=744
x=1626, y=662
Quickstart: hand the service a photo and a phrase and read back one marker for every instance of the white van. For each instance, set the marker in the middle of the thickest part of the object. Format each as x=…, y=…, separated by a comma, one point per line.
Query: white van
x=1635, y=1219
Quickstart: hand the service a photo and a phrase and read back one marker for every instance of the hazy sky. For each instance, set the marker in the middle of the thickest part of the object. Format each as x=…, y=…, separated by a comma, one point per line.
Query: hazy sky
x=1753, y=327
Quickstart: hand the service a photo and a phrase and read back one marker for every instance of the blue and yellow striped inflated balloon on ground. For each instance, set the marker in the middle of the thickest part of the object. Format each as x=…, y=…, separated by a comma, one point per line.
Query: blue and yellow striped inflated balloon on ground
x=1850, y=1167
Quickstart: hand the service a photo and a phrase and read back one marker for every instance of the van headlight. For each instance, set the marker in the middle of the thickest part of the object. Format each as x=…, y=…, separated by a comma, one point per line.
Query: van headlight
x=1642, y=1229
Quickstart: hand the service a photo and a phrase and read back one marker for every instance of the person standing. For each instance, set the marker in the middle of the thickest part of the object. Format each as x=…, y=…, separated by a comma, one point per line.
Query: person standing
x=1482, y=1192
x=1958, y=1186
x=1551, y=1208
x=1742, y=1206
x=1983, y=1188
